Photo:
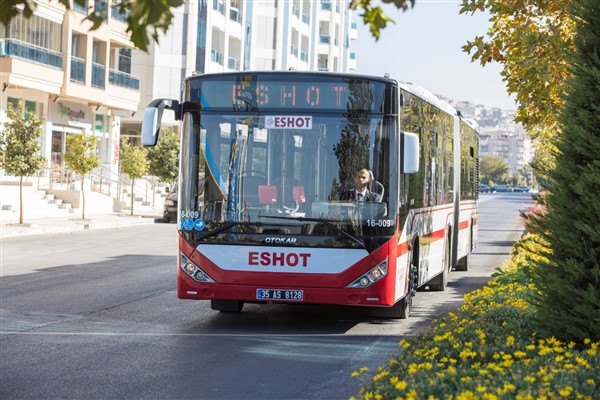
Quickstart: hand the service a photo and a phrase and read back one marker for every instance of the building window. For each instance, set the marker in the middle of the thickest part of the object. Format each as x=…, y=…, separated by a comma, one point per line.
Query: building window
x=125, y=60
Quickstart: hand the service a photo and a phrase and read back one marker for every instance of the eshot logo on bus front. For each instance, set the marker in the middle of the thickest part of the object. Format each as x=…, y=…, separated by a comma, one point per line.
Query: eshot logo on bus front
x=278, y=259
x=288, y=122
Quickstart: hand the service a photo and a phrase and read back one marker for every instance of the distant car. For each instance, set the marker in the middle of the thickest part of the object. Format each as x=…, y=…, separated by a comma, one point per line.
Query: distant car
x=170, y=206
x=521, y=189
x=503, y=188
x=484, y=189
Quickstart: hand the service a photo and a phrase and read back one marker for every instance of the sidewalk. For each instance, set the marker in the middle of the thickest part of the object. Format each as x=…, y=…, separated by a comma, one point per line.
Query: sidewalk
x=73, y=223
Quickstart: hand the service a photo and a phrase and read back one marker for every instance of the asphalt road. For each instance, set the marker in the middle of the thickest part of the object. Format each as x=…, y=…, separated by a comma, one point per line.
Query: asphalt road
x=94, y=315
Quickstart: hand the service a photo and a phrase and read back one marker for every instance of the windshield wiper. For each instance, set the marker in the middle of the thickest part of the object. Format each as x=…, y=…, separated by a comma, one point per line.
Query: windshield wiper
x=323, y=221
x=225, y=227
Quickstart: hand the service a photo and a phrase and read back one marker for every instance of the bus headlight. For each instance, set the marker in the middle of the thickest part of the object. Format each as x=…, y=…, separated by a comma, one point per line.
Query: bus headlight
x=193, y=270
x=375, y=274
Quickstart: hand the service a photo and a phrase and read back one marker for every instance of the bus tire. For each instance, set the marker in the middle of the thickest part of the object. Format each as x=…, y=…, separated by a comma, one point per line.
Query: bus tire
x=227, y=306
x=402, y=308
x=463, y=263
x=440, y=282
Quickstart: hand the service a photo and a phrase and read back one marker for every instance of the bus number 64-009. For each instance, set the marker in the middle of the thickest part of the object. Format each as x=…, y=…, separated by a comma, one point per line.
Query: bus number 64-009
x=380, y=223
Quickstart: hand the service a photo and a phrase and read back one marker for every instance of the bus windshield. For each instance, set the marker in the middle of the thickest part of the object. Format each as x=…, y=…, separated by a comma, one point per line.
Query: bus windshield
x=291, y=171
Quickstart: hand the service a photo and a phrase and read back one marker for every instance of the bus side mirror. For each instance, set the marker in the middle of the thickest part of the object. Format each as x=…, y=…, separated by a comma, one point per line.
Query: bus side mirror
x=410, y=153
x=153, y=117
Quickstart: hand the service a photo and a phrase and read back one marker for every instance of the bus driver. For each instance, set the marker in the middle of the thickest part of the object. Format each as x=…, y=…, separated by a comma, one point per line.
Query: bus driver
x=364, y=187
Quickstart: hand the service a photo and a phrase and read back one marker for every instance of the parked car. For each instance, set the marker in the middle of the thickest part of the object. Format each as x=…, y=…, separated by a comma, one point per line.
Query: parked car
x=484, y=189
x=521, y=189
x=170, y=206
x=503, y=188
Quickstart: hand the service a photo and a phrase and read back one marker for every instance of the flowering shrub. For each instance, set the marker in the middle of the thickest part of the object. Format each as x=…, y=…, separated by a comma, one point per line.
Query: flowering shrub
x=488, y=349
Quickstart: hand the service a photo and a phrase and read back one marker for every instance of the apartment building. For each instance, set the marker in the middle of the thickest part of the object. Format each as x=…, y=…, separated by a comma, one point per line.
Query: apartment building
x=510, y=143
x=77, y=80
x=237, y=35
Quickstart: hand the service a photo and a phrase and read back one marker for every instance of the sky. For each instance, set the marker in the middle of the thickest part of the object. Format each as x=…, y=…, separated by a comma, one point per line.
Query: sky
x=424, y=47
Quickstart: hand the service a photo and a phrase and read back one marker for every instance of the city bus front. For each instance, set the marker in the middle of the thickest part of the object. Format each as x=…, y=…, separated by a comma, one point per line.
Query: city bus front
x=272, y=170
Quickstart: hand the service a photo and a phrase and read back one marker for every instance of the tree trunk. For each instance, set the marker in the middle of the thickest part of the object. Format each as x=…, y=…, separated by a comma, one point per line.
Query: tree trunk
x=82, y=197
x=21, y=200
x=132, y=195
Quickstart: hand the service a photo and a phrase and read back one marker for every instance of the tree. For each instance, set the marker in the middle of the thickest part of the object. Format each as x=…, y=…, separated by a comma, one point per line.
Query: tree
x=493, y=169
x=531, y=39
x=81, y=157
x=134, y=162
x=164, y=157
x=568, y=282
x=143, y=17
x=374, y=16
x=19, y=144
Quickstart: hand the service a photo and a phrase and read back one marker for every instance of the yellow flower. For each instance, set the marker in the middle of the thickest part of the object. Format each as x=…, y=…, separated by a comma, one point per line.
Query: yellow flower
x=402, y=385
x=481, y=389
x=510, y=340
x=404, y=344
x=566, y=391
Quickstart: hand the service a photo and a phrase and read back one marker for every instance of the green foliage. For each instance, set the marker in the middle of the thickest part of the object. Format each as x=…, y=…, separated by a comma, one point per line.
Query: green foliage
x=81, y=154
x=569, y=282
x=531, y=39
x=374, y=17
x=493, y=169
x=133, y=159
x=19, y=142
x=164, y=157
x=19, y=146
x=143, y=17
x=134, y=162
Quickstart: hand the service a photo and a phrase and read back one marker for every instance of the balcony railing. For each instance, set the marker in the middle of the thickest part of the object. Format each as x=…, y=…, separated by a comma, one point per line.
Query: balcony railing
x=119, y=16
x=303, y=56
x=234, y=14
x=215, y=56
x=325, y=5
x=123, y=79
x=294, y=51
x=305, y=18
x=77, y=70
x=30, y=52
x=232, y=63
x=324, y=39
x=98, y=75
x=80, y=8
x=219, y=6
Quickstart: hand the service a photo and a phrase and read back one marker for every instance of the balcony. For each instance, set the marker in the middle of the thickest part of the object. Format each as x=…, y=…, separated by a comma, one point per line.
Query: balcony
x=30, y=52
x=117, y=15
x=232, y=63
x=219, y=6
x=215, y=56
x=119, y=78
x=98, y=75
x=77, y=70
x=234, y=14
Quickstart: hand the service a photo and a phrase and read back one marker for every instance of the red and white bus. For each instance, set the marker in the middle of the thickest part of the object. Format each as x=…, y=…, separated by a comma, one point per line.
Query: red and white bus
x=267, y=211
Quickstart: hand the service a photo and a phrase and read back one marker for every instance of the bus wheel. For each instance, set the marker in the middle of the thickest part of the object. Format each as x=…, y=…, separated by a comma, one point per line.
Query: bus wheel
x=402, y=308
x=463, y=263
x=228, y=306
x=440, y=282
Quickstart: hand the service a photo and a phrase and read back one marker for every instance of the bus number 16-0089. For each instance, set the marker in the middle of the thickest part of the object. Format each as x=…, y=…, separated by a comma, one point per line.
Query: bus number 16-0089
x=380, y=223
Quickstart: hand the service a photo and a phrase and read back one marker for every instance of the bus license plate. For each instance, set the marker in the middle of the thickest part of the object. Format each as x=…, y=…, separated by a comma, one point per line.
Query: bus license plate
x=279, y=294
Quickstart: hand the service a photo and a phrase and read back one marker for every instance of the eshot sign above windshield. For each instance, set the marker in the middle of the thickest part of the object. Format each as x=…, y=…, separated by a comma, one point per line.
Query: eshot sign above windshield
x=288, y=122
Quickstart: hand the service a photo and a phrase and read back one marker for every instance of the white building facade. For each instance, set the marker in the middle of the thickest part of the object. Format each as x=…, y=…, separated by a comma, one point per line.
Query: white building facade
x=235, y=35
x=77, y=80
